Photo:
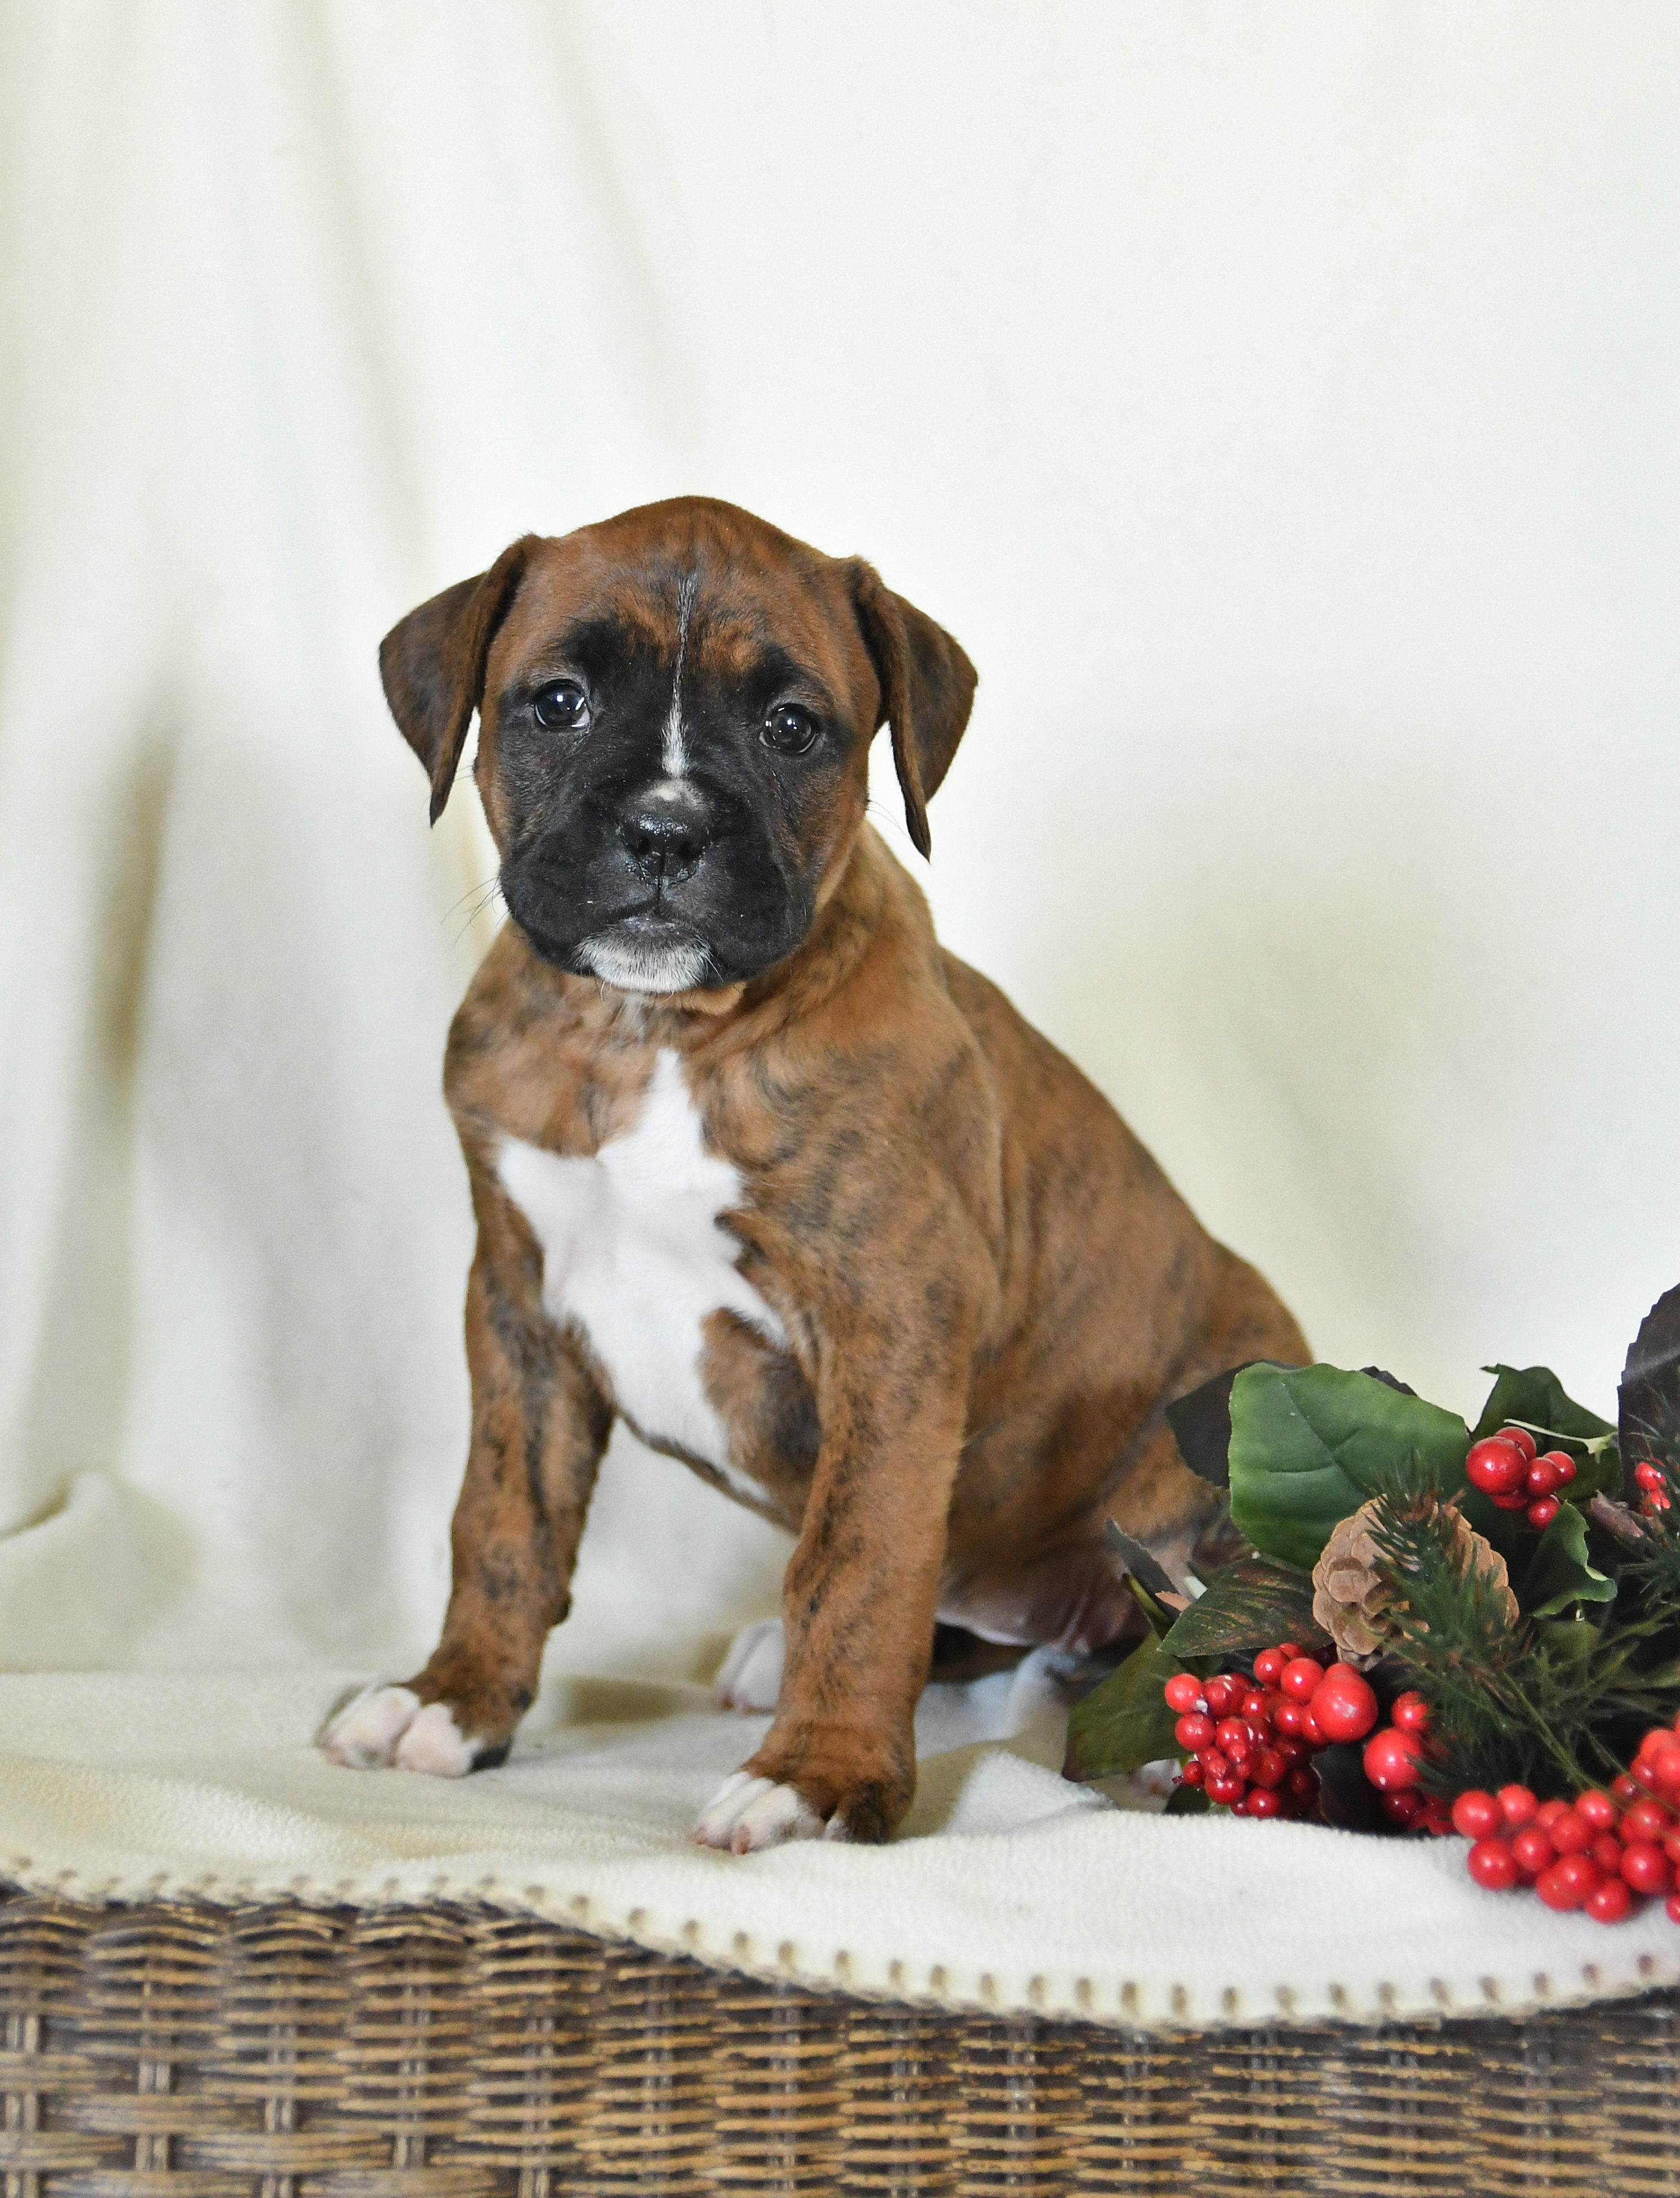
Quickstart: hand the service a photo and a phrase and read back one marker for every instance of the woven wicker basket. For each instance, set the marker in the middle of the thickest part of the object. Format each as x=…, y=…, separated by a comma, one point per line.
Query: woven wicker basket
x=169, y=2051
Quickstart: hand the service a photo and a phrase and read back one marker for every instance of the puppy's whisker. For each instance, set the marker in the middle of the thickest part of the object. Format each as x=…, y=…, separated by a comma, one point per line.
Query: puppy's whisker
x=486, y=900
x=491, y=884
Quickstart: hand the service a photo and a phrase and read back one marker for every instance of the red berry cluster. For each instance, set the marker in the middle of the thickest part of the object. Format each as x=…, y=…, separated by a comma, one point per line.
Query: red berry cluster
x=1505, y=1466
x=1250, y=1742
x=1598, y=1852
x=1652, y=1483
x=1247, y=1740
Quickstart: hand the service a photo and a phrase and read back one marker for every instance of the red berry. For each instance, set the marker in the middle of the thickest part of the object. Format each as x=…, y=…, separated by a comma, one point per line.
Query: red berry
x=1524, y=1441
x=1569, y=1833
x=1183, y=1692
x=1226, y=1790
x=1253, y=1704
x=1286, y=1719
x=1646, y=1820
x=1516, y=1501
x=1650, y=1476
x=1300, y=1678
x=1193, y=1731
x=1607, y=1851
x=1653, y=1504
x=1664, y=1767
x=1517, y=1805
x=1594, y=1807
x=1302, y=1781
x=1609, y=1902
x=1670, y=1845
x=1565, y=1467
x=1223, y=1693
x=1391, y=1759
x=1311, y=1731
x=1671, y=1908
x=1289, y=1650
x=1624, y=1788
x=1568, y=1881
x=1193, y=1773
x=1542, y=1513
x=1477, y=1815
x=1344, y=1709
x=1263, y=1802
x=1410, y=1712
x=1492, y=1865
x=1534, y=1851
x=1544, y=1477
x=1405, y=1806
x=1548, y=1812
x=1647, y=1868
x=1495, y=1465
x=1267, y=1665
x=1233, y=1735
x=1268, y=1768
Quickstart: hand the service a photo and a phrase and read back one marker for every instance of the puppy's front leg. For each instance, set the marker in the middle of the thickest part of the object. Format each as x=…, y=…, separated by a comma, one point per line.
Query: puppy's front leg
x=857, y=1607
x=539, y=1426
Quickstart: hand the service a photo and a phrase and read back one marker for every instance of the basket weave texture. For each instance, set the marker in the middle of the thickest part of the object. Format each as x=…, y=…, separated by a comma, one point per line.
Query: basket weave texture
x=169, y=2051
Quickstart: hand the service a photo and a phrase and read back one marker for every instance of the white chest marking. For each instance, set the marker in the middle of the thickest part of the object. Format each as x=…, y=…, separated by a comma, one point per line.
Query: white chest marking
x=633, y=1254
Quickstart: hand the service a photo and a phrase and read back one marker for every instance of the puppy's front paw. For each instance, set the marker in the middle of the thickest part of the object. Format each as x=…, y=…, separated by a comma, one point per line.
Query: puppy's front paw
x=749, y=1678
x=747, y=1813
x=388, y=1726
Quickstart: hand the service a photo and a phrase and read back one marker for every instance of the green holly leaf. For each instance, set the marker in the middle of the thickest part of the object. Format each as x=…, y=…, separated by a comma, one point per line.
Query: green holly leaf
x=1247, y=1606
x=1532, y=1396
x=1187, y=1801
x=1560, y=1573
x=1311, y=1444
x=1125, y=1722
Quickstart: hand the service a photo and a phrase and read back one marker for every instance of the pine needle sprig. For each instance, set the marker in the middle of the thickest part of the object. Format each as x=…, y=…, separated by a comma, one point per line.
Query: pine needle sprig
x=1501, y=1707
x=1551, y=1705
x=1651, y=1566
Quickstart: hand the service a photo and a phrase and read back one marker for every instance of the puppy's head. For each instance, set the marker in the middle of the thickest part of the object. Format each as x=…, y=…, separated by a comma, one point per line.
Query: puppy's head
x=675, y=708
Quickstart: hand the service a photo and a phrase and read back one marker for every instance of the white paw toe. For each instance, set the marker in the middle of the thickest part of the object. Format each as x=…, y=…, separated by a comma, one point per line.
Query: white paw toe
x=435, y=1743
x=748, y=1813
x=386, y=1726
x=749, y=1678
x=364, y=1734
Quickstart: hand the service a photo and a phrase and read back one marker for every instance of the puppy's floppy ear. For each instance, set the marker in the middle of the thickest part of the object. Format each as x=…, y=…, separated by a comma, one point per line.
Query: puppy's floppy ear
x=432, y=664
x=926, y=689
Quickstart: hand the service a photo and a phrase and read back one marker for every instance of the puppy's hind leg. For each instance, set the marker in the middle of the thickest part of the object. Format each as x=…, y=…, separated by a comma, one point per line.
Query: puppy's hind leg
x=749, y=1678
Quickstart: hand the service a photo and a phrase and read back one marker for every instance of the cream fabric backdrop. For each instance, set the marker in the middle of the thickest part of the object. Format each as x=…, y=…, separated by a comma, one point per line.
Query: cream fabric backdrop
x=1277, y=402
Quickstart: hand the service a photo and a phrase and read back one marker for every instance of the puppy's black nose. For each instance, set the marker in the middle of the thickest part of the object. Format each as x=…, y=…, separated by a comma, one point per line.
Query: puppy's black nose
x=666, y=831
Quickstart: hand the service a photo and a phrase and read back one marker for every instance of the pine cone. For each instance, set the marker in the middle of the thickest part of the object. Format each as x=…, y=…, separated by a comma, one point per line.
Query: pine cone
x=1355, y=1604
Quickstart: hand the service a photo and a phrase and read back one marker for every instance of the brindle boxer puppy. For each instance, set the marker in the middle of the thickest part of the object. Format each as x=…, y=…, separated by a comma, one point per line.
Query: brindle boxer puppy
x=760, y=1169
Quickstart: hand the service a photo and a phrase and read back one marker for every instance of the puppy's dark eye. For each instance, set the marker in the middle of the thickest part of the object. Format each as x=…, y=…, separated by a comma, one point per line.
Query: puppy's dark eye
x=563, y=708
x=789, y=729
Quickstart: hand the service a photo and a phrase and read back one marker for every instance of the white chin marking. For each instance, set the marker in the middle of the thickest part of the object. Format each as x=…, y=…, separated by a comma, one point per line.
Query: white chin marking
x=748, y=1813
x=749, y=1678
x=385, y=1727
x=629, y=967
